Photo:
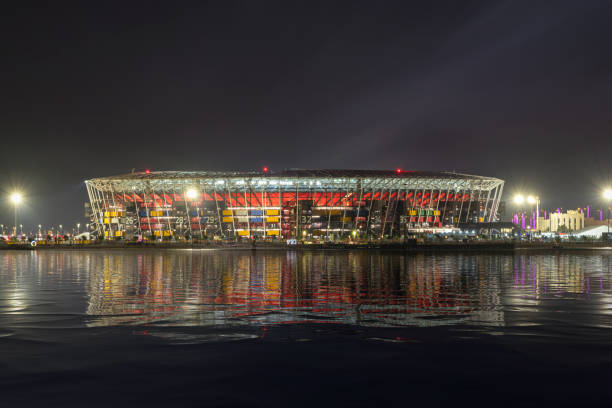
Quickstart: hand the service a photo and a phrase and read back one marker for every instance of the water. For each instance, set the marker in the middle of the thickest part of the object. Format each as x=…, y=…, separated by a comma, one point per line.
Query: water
x=96, y=315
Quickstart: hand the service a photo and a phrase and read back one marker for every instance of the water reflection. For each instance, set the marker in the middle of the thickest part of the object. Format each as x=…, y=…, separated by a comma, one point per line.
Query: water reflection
x=203, y=288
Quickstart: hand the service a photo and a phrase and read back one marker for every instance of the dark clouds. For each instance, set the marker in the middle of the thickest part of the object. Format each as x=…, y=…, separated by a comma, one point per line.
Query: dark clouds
x=517, y=90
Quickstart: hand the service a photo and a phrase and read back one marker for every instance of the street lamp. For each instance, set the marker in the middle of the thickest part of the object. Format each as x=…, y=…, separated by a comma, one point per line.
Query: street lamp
x=16, y=199
x=608, y=196
x=535, y=200
x=519, y=199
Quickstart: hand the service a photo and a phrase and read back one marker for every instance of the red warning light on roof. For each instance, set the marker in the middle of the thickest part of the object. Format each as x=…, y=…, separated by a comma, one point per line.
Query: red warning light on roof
x=398, y=171
x=265, y=169
x=147, y=171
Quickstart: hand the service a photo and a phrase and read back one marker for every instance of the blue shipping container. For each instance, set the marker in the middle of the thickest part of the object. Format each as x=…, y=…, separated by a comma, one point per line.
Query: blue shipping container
x=256, y=212
x=258, y=219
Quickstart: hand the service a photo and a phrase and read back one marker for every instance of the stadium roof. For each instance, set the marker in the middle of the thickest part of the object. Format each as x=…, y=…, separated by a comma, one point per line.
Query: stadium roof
x=297, y=173
x=323, y=179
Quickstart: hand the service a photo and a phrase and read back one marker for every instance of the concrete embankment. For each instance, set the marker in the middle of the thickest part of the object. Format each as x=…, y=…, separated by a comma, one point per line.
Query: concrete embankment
x=477, y=246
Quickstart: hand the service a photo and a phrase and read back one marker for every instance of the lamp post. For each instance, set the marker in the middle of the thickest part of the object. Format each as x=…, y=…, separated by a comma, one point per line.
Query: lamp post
x=191, y=195
x=535, y=200
x=608, y=196
x=519, y=200
x=16, y=199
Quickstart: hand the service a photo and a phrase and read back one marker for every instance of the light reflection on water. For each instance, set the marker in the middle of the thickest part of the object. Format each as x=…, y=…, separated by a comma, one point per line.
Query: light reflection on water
x=221, y=288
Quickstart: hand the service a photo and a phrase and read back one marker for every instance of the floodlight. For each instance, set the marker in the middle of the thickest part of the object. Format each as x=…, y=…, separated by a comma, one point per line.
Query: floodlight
x=16, y=198
x=191, y=194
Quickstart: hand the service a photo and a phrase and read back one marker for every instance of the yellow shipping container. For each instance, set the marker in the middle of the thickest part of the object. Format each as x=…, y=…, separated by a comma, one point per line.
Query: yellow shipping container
x=273, y=232
x=272, y=219
x=118, y=233
x=346, y=219
x=243, y=233
x=437, y=212
x=227, y=212
x=228, y=219
x=107, y=220
x=167, y=233
x=107, y=213
x=113, y=213
x=413, y=212
x=106, y=233
x=335, y=212
x=271, y=212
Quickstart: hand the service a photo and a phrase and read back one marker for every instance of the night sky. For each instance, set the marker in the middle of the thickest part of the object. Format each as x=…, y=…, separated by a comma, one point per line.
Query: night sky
x=517, y=90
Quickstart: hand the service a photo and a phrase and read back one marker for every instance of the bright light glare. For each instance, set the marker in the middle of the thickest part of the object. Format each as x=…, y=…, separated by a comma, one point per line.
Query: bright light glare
x=607, y=194
x=519, y=199
x=16, y=198
x=531, y=200
x=191, y=194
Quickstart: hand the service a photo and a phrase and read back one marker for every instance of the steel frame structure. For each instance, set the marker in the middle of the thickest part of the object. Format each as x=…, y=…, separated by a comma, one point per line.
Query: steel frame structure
x=289, y=204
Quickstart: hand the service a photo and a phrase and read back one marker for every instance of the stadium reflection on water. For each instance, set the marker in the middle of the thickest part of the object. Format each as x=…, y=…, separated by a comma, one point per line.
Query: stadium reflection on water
x=207, y=288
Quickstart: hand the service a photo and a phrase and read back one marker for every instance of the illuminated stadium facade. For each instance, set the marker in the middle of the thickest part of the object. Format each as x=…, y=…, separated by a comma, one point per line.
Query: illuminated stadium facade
x=300, y=204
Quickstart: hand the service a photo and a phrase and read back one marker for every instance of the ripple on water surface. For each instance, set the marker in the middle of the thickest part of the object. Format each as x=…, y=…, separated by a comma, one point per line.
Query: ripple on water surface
x=72, y=289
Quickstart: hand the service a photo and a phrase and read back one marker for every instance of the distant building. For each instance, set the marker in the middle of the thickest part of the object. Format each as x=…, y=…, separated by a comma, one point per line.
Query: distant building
x=570, y=220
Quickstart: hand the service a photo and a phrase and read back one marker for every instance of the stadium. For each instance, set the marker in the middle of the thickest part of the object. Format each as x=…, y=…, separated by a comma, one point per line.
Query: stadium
x=290, y=204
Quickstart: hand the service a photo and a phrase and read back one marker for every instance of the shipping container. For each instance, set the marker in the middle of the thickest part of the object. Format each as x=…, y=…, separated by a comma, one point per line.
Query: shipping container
x=256, y=212
x=272, y=212
x=272, y=219
x=273, y=232
x=243, y=233
x=227, y=212
x=228, y=219
x=256, y=219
